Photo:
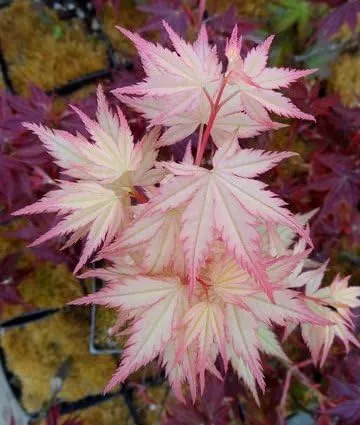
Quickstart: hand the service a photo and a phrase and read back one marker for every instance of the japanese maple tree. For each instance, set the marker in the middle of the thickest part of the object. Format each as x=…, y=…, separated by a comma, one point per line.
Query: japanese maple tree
x=203, y=257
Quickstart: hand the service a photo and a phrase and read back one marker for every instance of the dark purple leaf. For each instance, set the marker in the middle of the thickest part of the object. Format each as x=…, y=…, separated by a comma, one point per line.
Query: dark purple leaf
x=346, y=13
x=171, y=11
x=212, y=408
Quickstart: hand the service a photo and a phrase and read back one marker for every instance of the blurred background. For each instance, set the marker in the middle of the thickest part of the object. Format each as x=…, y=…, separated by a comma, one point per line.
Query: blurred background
x=56, y=361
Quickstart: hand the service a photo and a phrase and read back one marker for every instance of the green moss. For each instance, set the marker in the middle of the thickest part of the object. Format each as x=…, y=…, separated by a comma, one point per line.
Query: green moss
x=282, y=141
x=345, y=259
x=105, y=319
x=245, y=8
x=128, y=17
x=50, y=286
x=41, y=49
x=112, y=412
x=46, y=286
x=345, y=79
x=35, y=352
x=150, y=404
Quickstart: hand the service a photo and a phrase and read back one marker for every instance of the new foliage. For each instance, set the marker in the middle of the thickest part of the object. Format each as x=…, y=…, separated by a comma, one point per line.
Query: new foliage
x=202, y=256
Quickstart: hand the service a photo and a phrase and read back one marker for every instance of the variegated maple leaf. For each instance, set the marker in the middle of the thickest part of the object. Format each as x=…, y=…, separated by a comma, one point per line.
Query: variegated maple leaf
x=106, y=173
x=230, y=120
x=155, y=238
x=256, y=83
x=228, y=315
x=278, y=239
x=226, y=199
x=332, y=302
x=181, y=86
x=157, y=303
x=181, y=76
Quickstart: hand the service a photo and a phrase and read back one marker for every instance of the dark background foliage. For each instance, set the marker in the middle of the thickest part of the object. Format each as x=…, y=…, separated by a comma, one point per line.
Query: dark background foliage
x=322, y=34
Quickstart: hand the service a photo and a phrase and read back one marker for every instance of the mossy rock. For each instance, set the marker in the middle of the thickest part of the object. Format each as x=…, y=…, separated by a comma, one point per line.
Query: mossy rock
x=45, y=51
x=34, y=353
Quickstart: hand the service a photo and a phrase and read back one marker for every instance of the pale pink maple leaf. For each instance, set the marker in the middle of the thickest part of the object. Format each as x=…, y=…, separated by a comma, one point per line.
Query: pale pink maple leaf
x=334, y=303
x=257, y=83
x=226, y=199
x=97, y=204
x=182, y=74
x=229, y=314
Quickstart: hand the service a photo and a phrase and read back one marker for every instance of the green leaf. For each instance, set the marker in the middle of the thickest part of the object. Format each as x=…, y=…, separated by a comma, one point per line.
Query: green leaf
x=288, y=13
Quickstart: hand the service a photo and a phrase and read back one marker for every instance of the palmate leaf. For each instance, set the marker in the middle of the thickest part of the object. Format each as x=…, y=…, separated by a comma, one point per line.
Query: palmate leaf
x=91, y=209
x=187, y=71
x=241, y=330
x=228, y=314
x=161, y=300
x=205, y=323
x=227, y=200
x=234, y=316
x=334, y=303
x=256, y=83
x=228, y=121
x=170, y=11
x=157, y=237
x=97, y=204
x=338, y=178
x=175, y=90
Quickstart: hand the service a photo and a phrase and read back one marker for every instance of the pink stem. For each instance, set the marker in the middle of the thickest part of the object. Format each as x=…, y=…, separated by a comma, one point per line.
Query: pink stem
x=214, y=110
x=286, y=388
x=295, y=370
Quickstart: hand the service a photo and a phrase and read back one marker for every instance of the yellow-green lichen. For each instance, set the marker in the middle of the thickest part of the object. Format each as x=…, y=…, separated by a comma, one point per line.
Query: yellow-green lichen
x=41, y=49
